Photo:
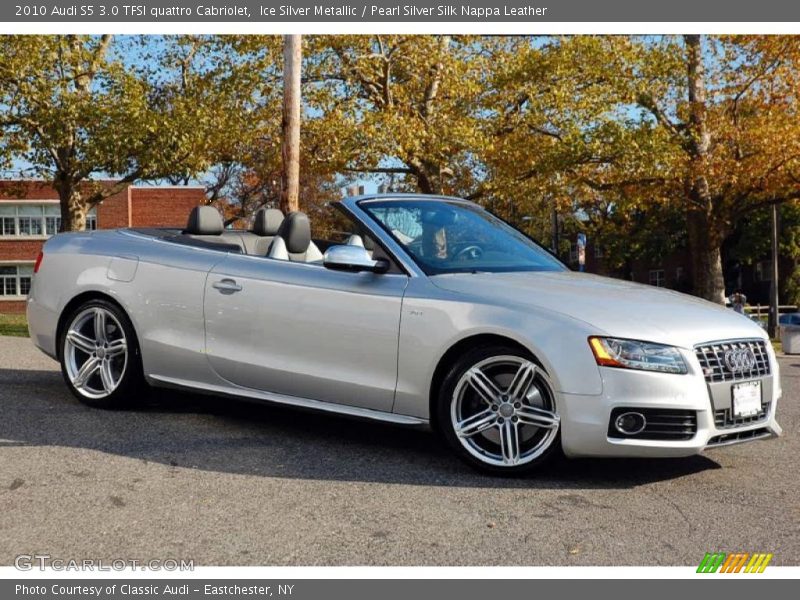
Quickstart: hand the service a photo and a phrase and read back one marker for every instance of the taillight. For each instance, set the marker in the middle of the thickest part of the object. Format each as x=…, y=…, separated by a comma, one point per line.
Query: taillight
x=38, y=262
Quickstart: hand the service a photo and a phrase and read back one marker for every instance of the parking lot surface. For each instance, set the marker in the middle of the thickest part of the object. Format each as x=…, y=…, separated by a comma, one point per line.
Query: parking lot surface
x=227, y=483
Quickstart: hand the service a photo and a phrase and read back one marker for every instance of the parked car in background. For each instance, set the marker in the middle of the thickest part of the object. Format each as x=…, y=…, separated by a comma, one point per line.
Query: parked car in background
x=789, y=319
x=430, y=312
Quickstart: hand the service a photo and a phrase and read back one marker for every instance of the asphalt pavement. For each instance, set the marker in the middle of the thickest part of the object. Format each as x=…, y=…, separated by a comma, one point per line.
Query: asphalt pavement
x=228, y=483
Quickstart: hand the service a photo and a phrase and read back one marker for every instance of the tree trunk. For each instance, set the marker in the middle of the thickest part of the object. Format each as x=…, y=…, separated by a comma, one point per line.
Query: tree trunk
x=705, y=242
x=705, y=233
x=73, y=208
x=290, y=147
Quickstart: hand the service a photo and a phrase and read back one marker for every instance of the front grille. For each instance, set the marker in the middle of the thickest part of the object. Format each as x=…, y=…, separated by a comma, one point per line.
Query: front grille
x=711, y=357
x=739, y=436
x=724, y=419
x=661, y=424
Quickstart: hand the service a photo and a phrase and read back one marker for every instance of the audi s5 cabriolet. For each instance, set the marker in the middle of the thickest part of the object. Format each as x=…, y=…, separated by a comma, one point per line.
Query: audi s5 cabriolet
x=415, y=310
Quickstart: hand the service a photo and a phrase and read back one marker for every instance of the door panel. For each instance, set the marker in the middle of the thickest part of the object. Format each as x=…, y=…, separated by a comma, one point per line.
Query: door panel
x=304, y=330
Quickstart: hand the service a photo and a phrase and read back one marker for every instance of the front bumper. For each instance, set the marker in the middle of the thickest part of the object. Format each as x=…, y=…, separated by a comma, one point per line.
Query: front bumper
x=585, y=418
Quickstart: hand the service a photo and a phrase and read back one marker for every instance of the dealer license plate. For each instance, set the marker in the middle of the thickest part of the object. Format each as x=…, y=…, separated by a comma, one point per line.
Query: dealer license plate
x=747, y=399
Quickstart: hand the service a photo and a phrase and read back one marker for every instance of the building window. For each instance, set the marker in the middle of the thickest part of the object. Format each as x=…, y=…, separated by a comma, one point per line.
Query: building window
x=9, y=226
x=35, y=220
x=52, y=225
x=657, y=277
x=30, y=225
x=15, y=280
x=763, y=270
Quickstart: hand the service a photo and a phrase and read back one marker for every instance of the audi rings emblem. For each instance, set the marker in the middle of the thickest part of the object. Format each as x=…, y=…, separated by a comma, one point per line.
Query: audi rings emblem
x=739, y=359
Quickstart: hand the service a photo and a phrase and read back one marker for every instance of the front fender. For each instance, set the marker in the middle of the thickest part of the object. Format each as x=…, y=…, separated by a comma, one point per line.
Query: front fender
x=434, y=320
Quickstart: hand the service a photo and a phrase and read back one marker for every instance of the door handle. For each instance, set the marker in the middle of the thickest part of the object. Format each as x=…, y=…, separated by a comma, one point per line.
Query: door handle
x=227, y=286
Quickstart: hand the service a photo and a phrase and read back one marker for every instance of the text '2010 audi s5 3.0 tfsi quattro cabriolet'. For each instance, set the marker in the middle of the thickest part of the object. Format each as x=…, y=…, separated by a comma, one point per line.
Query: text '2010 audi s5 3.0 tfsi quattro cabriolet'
x=414, y=310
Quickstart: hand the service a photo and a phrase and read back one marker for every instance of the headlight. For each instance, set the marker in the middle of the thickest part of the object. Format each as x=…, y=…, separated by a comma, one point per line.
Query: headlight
x=632, y=354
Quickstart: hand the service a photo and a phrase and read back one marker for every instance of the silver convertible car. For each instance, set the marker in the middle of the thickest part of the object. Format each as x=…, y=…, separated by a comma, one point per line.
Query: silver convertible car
x=425, y=311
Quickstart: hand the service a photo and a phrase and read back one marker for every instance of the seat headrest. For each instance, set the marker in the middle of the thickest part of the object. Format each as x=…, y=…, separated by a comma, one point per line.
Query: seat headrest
x=369, y=243
x=267, y=221
x=296, y=232
x=204, y=220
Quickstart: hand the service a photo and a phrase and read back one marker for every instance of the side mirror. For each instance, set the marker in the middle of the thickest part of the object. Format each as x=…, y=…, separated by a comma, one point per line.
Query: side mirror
x=353, y=259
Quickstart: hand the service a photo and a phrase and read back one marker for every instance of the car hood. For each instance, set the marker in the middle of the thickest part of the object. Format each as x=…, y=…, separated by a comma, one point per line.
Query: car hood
x=610, y=306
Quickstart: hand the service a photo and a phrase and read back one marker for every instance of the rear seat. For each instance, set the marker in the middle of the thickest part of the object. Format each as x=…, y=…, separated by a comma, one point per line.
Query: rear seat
x=256, y=241
x=266, y=223
x=205, y=225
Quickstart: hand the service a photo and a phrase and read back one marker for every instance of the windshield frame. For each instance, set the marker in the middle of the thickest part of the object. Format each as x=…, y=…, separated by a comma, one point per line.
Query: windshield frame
x=364, y=206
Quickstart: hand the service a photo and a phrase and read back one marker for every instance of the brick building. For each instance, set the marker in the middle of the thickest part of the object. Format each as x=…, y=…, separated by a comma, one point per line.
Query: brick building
x=30, y=213
x=674, y=271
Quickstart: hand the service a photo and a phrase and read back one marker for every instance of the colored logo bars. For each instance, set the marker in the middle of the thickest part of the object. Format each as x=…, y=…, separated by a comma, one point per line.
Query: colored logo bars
x=734, y=562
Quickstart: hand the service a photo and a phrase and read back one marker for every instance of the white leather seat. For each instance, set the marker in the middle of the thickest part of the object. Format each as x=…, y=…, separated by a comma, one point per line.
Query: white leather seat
x=293, y=242
x=355, y=240
x=266, y=223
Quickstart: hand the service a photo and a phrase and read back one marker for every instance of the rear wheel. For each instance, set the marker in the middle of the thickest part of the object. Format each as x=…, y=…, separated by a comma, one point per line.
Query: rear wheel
x=497, y=410
x=100, y=357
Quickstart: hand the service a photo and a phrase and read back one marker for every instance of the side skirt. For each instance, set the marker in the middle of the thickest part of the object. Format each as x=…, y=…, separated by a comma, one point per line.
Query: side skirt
x=294, y=401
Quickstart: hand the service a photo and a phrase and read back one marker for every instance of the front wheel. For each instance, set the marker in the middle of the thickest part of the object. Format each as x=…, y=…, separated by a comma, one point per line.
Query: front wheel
x=100, y=356
x=497, y=410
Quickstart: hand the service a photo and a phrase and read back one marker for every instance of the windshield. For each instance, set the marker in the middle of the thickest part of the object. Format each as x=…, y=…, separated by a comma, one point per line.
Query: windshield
x=454, y=237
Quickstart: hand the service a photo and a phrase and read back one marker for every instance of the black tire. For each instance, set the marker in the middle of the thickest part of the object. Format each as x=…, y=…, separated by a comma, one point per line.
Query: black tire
x=130, y=385
x=444, y=416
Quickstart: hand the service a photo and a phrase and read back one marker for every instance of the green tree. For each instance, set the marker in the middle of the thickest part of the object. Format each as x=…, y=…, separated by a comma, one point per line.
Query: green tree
x=408, y=106
x=76, y=108
x=732, y=121
x=752, y=243
x=707, y=126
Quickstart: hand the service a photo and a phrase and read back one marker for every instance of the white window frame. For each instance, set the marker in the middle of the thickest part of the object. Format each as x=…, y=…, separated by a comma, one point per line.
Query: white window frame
x=27, y=273
x=598, y=250
x=91, y=219
x=657, y=277
x=763, y=272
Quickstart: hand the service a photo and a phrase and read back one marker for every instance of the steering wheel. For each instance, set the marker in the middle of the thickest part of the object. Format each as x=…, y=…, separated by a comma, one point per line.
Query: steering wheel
x=471, y=252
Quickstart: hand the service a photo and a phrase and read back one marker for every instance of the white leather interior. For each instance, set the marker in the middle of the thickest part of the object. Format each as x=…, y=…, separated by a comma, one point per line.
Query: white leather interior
x=355, y=240
x=278, y=249
x=313, y=254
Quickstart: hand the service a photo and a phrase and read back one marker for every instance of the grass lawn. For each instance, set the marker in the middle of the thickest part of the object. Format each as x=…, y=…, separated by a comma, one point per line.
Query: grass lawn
x=13, y=325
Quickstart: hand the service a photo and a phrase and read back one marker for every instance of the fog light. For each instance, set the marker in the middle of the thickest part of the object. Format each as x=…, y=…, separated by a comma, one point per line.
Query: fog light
x=630, y=423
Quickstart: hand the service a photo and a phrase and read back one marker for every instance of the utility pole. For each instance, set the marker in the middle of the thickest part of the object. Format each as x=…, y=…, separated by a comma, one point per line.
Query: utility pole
x=554, y=218
x=772, y=324
x=290, y=142
x=554, y=214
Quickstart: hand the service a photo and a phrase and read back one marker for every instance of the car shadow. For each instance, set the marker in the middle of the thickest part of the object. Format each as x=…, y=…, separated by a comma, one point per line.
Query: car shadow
x=222, y=435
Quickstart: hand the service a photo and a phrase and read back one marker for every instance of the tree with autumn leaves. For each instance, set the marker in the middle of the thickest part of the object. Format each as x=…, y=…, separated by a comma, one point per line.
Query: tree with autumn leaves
x=616, y=126
x=75, y=109
x=642, y=136
x=734, y=138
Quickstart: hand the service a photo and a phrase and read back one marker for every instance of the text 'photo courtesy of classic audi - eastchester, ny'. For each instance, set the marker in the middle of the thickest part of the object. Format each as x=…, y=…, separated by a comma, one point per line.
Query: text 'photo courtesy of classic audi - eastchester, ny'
x=423, y=311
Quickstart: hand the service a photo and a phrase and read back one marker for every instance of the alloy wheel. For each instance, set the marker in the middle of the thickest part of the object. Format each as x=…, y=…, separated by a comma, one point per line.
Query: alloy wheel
x=95, y=352
x=503, y=411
